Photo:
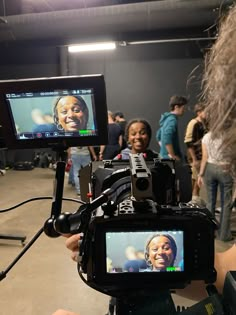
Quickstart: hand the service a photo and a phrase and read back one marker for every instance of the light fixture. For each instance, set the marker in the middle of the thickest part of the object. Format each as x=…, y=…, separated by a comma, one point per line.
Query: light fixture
x=91, y=47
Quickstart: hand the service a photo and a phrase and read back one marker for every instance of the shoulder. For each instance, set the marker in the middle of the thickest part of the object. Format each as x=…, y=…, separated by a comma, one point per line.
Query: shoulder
x=124, y=154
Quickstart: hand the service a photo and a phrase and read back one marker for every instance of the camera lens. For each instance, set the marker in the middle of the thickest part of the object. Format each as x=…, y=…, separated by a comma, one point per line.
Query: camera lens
x=142, y=184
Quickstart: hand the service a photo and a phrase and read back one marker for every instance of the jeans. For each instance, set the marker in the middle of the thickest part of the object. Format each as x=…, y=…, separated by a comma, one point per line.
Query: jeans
x=216, y=176
x=79, y=161
x=71, y=176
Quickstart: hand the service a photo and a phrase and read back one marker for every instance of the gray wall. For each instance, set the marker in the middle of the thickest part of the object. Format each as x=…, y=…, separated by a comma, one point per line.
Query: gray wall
x=139, y=79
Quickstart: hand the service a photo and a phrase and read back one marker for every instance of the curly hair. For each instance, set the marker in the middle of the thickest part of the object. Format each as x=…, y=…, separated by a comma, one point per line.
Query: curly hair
x=219, y=87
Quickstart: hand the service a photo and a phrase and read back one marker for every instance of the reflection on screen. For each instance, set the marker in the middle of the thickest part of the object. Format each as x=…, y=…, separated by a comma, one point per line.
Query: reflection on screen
x=152, y=251
x=52, y=114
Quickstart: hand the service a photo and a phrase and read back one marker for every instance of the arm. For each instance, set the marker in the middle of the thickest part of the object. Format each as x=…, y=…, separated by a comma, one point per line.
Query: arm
x=120, y=141
x=190, y=138
x=171, y=153
x=167, y=138
x=192, y=154
x=92, y=152
x=203, y=164
x=102, y=148
x=69, y=153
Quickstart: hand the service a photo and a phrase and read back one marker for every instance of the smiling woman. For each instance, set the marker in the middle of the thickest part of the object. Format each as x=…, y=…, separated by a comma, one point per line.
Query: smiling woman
x=161, y=250
x=138, y=136
x=70, y=113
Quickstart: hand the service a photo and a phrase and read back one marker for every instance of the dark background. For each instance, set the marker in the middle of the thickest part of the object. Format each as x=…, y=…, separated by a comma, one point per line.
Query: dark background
x=139, y=78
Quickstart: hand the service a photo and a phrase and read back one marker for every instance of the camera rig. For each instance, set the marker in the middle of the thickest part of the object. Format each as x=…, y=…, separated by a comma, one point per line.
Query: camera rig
x=110, y=223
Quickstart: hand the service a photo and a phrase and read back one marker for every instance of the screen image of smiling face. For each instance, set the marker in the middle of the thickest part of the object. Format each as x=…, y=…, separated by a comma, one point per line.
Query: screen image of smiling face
x=71, y=114
x=161, y=254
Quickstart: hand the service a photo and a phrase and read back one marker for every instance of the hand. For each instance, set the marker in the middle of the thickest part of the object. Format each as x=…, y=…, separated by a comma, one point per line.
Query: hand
x=63, y=312
x=73, y=245
x=200, y=181
x=95, y=158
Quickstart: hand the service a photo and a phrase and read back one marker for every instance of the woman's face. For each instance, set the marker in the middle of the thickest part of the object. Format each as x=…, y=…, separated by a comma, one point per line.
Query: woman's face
x=138, y=137
x=70, y=114
x=160, y=253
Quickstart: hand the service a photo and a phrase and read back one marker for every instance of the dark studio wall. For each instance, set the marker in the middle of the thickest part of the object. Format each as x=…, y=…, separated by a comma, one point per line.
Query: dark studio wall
x=139, y=79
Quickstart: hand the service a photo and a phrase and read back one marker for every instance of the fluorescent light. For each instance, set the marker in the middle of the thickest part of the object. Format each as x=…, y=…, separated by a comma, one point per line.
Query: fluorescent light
x=92, y=47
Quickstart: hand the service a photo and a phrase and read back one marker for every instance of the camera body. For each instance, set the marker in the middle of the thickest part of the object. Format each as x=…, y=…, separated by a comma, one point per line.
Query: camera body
x=131, y=223
x=110, y=237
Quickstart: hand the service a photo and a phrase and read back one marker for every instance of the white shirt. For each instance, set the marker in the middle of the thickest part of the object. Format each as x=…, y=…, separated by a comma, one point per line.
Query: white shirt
x=213, y=149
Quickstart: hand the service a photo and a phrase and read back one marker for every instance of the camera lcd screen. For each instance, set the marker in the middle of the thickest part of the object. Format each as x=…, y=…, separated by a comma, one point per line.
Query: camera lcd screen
x=57, y=112
x=53, y=113
x=139, y=251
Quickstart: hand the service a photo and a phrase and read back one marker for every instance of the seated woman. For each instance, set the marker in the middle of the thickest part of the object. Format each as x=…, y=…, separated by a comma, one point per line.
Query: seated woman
x=138, y=136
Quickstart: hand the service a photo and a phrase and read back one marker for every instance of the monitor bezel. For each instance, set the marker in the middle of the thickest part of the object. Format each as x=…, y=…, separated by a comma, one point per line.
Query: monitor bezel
x=95, y=82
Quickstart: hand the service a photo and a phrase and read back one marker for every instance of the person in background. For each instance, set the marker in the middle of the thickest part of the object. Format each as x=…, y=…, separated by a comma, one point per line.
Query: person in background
x=70, y=113
x=135, y=262
x=80, y=157
x=43, y=122
x=113, y=147
x=120, y=119
x=214, y=172
x=138, y=136
x=195, y=131
x=167, y=135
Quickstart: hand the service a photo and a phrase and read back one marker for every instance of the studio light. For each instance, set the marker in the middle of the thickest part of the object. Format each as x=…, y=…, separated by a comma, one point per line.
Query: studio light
x=91, y=47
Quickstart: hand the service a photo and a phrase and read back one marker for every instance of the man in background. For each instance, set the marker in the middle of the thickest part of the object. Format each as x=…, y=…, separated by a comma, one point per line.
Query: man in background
x=168, y=136
x=120, y=119
x=195, y=131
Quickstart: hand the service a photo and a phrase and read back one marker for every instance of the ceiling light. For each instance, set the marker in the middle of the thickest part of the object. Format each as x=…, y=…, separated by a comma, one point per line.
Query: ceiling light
x=91, y=47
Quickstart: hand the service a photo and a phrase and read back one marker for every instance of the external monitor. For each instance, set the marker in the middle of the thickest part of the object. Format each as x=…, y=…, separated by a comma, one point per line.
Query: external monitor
x=57, y=112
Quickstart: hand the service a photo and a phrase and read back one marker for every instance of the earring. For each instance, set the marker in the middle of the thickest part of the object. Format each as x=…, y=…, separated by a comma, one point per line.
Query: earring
x=59, y=127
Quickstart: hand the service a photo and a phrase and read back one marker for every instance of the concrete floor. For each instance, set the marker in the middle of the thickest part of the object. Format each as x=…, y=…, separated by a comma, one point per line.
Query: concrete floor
x=46, y=278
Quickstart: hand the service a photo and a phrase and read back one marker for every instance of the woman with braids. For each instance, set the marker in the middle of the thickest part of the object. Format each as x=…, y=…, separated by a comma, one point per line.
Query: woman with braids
x=220, y=97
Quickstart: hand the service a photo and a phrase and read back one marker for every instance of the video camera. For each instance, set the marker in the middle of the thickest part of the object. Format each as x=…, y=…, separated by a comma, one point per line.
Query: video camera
x=131, y=222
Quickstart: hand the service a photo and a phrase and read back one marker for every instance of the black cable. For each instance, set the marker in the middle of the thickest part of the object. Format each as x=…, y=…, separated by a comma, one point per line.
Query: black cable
x=39, y=198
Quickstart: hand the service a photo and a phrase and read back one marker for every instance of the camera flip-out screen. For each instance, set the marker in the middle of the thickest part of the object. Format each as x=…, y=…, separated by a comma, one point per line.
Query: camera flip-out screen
x=139, y=251
x=54, y=112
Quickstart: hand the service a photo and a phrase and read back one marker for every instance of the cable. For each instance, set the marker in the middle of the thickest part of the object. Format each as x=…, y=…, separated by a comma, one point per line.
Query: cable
x=39, y=198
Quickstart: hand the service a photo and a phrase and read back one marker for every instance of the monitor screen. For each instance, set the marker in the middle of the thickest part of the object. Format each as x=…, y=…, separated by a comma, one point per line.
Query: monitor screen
x=54, y=112
x=144, y=251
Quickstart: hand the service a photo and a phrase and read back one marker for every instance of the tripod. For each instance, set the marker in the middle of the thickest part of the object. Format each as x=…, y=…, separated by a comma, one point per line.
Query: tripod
x=13, y=237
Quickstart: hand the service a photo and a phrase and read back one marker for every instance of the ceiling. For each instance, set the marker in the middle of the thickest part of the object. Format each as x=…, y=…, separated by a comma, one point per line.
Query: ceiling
x=67, y=21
